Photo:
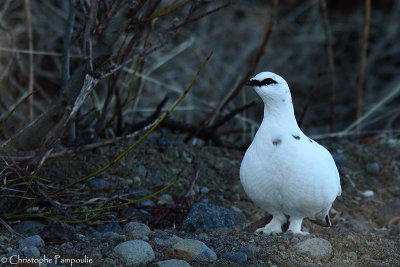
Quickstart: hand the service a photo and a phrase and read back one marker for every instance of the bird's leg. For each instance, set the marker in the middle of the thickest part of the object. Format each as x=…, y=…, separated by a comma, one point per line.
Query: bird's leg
x=274, y=226
x=295, y=226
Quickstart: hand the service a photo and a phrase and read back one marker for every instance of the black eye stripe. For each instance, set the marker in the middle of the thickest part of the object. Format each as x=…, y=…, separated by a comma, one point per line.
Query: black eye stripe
x=267, y=81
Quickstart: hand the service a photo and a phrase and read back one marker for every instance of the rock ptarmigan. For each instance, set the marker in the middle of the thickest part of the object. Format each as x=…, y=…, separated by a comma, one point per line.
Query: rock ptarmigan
x=284, y=172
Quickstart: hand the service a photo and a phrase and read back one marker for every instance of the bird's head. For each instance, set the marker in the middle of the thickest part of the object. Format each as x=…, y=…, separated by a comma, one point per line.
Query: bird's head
x=270, y=87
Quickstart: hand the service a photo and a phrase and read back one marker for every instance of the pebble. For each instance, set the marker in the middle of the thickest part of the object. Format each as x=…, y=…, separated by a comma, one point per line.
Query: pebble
x=136, y=230
x=147, y=203
x=163, y=142
x=135, y=252
x=191, y=249
x=166, y=199
x=136, y=180
x=98, y=183
x=373, y=168
x=31, y=241
x=368, y=193
x=157, y=180
x=186, y=157
x=167, y=242
x=175, y=170
x=238, y=257
x=112, y=226
x=204, y=190
x=318, y=248
x=208, y=217
x=29, y=227
x=140, y=170
x=172, y=263
x=31, y=252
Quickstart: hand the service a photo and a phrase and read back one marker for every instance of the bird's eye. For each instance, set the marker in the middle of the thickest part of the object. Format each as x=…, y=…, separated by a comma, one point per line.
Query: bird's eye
x=267, y=81
x=258, y=83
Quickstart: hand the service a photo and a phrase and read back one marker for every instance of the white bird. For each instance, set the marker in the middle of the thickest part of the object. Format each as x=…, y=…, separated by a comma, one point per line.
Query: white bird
x=284, y=172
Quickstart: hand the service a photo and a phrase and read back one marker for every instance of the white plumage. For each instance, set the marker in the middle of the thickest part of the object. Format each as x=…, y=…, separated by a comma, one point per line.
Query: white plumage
x=285, y=172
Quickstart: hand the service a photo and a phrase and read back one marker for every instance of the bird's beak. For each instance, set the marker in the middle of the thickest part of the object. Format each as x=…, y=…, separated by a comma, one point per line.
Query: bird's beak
x=250, y=83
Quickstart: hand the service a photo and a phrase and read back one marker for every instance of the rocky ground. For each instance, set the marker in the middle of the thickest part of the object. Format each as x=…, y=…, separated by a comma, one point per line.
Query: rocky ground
x=219, y=228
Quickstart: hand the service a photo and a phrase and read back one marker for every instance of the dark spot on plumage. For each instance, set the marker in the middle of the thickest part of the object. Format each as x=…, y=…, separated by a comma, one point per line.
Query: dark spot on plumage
x=297, y=137
x=276, y=142
x=283, y=100
x=258, y=83
x=309, y=139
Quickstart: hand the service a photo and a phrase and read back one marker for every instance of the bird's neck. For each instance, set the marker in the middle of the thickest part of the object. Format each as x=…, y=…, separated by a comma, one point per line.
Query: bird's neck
x=280, y=114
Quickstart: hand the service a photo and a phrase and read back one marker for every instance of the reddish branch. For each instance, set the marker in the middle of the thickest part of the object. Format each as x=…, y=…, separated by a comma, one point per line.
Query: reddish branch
x=184, y=202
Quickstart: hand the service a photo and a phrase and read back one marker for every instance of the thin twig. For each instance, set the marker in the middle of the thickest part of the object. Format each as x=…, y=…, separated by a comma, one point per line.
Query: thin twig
x=331, y=62
x=363, y=63
x=190, y=20
x=184, y=200
x=232, y=114
x=31, y=65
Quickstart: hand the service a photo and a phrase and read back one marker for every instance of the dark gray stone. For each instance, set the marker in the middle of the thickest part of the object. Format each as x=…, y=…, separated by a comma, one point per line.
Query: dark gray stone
x=238, y=257
x=208, y=217
x=58, y=232
x=109, y=227
x=29, y=227
x=191, y=249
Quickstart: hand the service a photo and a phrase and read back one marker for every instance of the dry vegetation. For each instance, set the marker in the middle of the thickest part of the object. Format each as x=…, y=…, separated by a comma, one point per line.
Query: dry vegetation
x=78, y=72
